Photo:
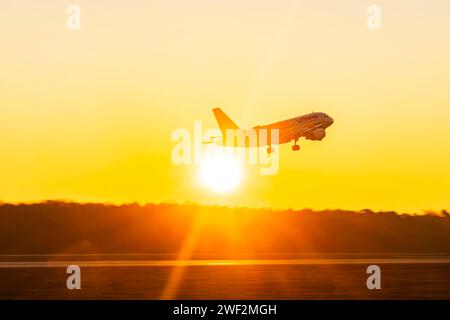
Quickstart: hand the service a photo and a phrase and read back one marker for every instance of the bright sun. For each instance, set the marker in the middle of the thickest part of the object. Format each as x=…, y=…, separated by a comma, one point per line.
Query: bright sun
x=220, y=172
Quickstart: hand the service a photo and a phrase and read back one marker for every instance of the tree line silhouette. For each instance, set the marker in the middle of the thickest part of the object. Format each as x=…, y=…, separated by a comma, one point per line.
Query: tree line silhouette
x=61, y=227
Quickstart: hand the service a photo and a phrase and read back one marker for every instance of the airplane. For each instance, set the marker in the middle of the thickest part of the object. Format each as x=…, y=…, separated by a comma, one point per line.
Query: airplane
x=311, y=126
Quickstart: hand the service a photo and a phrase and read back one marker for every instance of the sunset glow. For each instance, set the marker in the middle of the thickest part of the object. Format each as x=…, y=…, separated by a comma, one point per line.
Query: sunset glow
x=87, y=114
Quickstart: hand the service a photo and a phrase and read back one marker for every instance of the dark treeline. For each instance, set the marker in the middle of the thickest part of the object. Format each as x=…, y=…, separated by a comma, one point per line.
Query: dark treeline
x=56, y=227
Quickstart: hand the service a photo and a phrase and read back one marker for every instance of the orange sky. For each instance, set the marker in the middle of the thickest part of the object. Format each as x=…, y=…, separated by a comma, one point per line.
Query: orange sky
x=87, y=115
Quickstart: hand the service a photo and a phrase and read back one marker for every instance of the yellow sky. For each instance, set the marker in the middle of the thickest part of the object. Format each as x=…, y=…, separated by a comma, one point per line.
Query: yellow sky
x=87, y=115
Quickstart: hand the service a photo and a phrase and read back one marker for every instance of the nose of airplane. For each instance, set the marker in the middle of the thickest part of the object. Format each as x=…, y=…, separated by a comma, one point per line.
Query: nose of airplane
x=330, y=121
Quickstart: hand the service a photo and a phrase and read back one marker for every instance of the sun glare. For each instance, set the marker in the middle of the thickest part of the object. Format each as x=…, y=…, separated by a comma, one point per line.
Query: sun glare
x=220, y=172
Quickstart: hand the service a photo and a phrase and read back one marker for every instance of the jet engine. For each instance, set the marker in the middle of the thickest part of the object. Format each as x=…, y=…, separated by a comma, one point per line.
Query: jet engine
x=316, y=134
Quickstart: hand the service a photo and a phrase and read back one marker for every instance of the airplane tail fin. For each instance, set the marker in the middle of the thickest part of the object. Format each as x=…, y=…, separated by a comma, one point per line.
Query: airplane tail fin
x=224, y=121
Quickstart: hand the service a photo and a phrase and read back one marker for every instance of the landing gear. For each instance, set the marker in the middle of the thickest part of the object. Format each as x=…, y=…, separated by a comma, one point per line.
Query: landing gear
x=295, y=147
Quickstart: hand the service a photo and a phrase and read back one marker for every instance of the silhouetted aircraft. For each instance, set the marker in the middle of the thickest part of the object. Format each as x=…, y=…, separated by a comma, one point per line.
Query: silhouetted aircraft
x=311, y=126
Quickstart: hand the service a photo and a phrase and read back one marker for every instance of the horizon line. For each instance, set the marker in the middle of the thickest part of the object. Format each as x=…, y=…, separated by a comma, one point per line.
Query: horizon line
x=438, y=213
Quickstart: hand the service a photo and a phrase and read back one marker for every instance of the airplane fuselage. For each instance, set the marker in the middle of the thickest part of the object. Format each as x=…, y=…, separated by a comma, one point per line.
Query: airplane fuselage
x=302, y=126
